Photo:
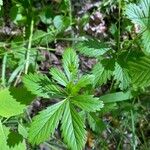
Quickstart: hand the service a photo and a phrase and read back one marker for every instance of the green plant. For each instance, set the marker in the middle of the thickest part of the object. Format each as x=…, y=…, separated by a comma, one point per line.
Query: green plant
x=110, y=99
x=71, y=90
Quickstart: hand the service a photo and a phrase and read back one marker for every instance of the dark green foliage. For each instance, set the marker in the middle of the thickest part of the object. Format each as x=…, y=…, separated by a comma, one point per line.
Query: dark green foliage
x=96, y=95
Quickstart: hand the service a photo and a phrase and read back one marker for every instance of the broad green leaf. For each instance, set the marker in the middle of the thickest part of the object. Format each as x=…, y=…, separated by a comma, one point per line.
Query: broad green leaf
x=42, y=38
x=14, y=139
x=87, y=102
x=46, y=15
x=116, y=97
x=3, y=137
x=41, y=86
x=58, y=22
x=7, y=101
x=95, y=123
x=73, y=128
x=92, y=48
x=101, y=74
x=140, y=15
x=19, y=146
x=61, y=22
x=122, y=77
x=84, y=81
x=140, y=72
x=59, y=76
x=20, y=94
x=44, y=124
x=16, y=14
x=4, y=140
x=70, y=63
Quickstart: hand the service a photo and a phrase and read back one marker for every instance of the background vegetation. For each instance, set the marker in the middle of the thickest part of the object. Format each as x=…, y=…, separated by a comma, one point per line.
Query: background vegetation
x=74, y=74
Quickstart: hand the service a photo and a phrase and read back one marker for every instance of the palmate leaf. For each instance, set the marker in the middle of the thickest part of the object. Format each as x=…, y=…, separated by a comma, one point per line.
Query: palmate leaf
x=101, y=74
x=70, y=63
x=41, y=86
x=44, y=124
x=140, y=72
x=140, y=15
x=121, y=76
x=87, y=103
x=8, y=105
x=92, y=48
x=59, y=76
x=73, y=128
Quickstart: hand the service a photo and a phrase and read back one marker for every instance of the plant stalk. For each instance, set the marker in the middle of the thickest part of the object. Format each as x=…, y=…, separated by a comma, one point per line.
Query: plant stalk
x=4, y=70
x=29, y=47
x=118, y=42
x=133, y=131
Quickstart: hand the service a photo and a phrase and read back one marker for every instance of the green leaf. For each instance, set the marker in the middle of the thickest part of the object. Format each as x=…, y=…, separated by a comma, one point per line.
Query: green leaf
x=73, y=128
x=92, y=48
x=95, y=123
x=116, y=97
x=140, y=72
x=44, y=124
x=140, y=15
x=7, y=101
x=70, y=63
x=20, y=94
x=121, y=76
x=19, y=146
x=101, y=74
x=22, y=130
x=46, y=15
x=15, y=73
x=87, y=102
x=41, y=86
x=59, y=76
x=4, y=131
x=14, y=139
x=42, y=38
x=83, y=82
x=58, y=22
x=61, y=22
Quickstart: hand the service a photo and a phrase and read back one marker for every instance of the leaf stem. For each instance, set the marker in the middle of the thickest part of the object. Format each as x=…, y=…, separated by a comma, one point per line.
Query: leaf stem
x=118, y=42
x=70, y=18
x=29, y=47
x=133, y=131
x=4, y=70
